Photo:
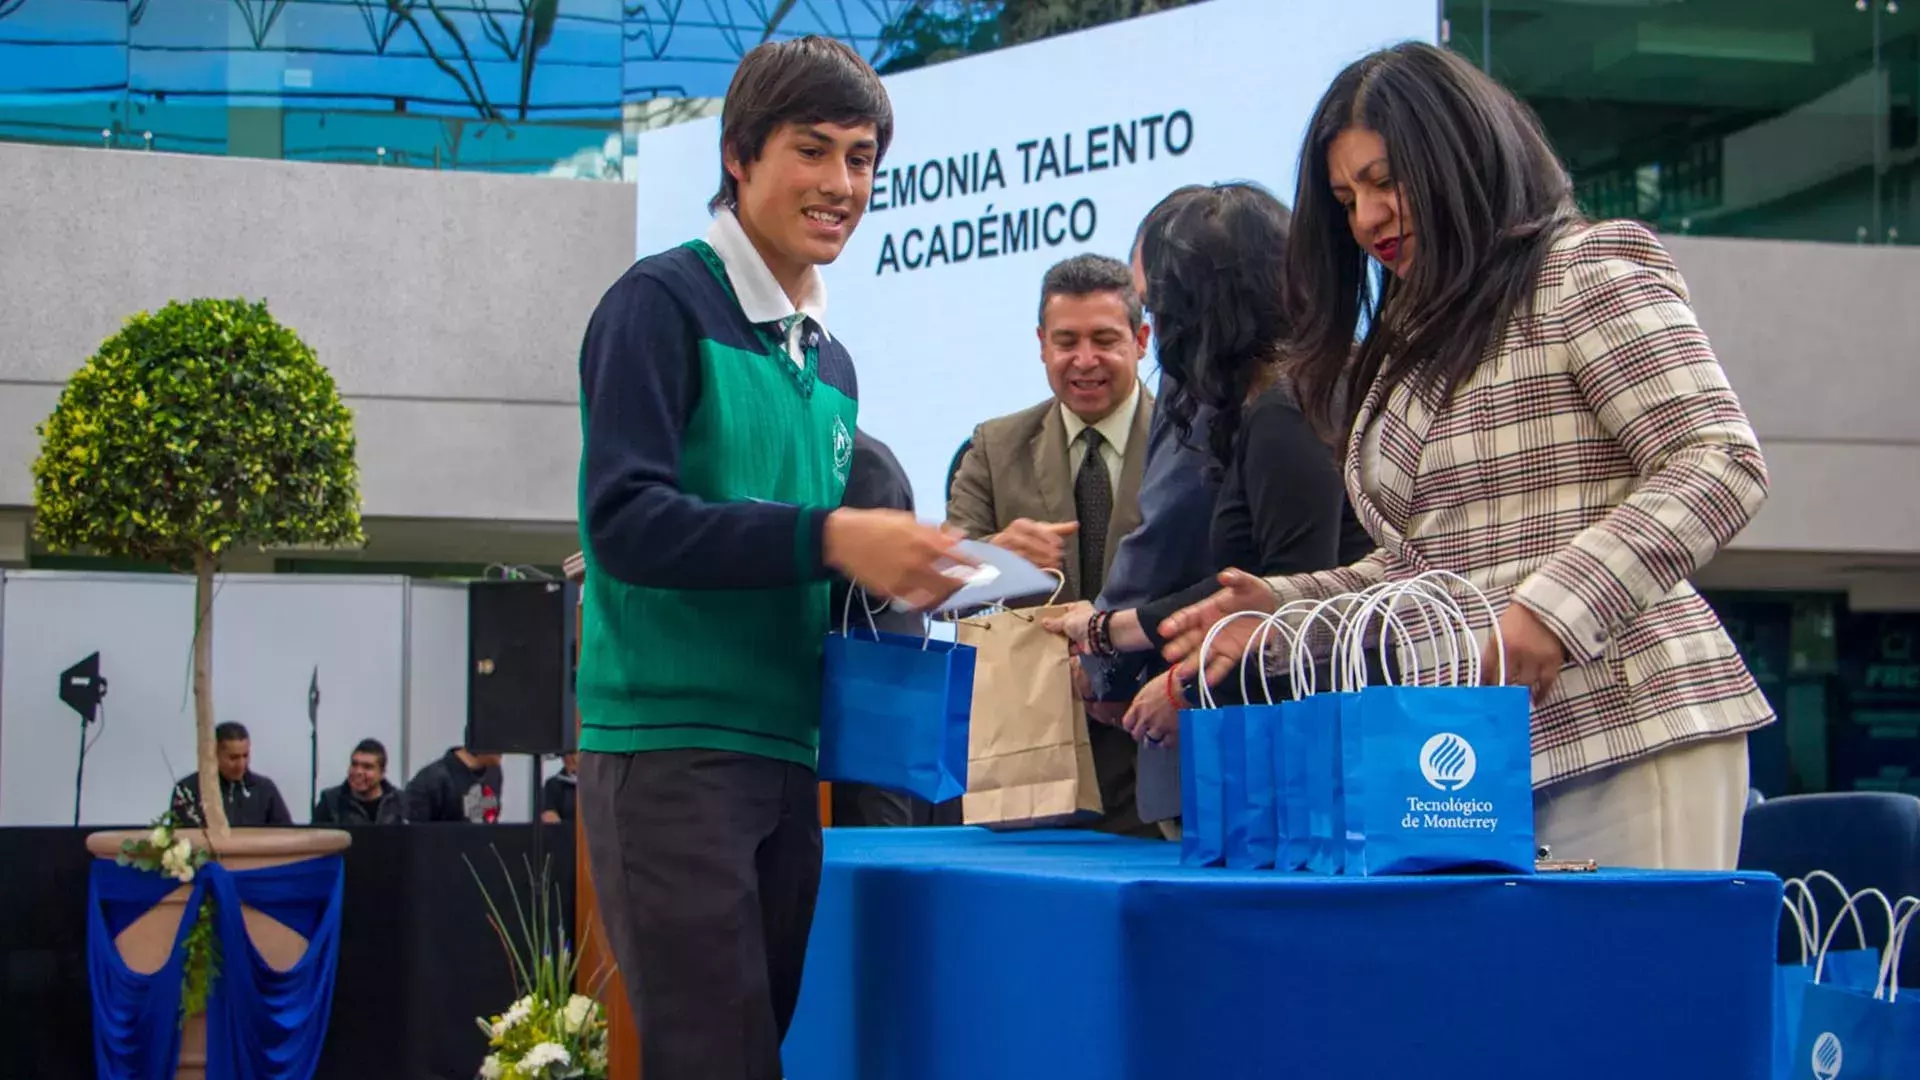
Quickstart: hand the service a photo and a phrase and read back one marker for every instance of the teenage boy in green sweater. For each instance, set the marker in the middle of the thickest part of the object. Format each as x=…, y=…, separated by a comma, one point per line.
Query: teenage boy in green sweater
x=718, y=419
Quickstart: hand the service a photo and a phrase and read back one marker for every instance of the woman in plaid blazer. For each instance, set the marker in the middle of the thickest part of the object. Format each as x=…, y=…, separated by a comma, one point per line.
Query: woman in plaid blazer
x=1536, y=409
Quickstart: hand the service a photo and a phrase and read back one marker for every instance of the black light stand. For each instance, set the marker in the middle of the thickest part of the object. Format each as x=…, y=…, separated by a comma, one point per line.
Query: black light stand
x=82, y=687
x=313, y=739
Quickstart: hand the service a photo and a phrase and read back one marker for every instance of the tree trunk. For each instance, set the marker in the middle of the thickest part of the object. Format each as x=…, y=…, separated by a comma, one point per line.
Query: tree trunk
x=212, y=808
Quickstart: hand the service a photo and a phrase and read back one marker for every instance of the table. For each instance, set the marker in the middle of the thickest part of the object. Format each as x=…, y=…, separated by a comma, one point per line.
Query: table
x=958, y=953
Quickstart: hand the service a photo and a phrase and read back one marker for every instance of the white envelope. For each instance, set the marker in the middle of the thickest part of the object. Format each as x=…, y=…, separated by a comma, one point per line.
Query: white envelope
x=1001, y=575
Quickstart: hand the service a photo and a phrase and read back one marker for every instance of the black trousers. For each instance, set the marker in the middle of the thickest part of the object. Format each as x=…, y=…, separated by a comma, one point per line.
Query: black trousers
x=707, y=865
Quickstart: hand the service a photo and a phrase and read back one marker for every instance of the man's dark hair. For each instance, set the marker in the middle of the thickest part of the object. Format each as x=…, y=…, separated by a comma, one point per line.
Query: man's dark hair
x=374, y=747
x=1084, y=275
x=231, y=731
x=809, y=80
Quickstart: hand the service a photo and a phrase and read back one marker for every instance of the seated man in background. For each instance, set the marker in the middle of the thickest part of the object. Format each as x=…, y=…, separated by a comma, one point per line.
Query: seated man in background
x=460, y=786
x=559, y=794
x=366, y=798
x=1059, y=483
x=249, y=798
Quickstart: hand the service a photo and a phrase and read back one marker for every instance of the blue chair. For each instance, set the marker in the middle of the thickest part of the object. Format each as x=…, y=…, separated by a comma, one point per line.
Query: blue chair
x=1867, y=839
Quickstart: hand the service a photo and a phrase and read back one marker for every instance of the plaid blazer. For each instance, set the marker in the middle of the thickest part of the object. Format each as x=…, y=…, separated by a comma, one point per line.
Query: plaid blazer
x=1595, y=460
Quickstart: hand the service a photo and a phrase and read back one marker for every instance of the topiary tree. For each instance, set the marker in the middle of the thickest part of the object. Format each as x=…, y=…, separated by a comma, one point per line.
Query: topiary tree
x=195, y=430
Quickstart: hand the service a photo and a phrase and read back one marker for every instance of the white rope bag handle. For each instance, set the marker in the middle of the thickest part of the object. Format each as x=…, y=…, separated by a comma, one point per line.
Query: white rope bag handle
x=1354, y=617
x=1887, y=987
x=1444, y=621
x=1798, y=896
x=1499, y=639
x=1810, y=906
x=1206, y=645
x=1300, y=663
x=1352, y=646
x=1258, y=645
x=1826, y=940
x=846, y=618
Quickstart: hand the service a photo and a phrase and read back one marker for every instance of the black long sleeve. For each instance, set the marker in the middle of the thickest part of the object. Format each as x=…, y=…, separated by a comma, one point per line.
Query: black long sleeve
x=639, y=379
x=1282, y=507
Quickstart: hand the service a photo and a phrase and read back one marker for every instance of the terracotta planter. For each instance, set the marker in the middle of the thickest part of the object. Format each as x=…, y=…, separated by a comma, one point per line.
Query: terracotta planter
x=145, y=943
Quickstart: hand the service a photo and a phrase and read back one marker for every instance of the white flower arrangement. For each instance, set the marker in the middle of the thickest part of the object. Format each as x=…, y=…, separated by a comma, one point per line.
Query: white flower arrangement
x=549, y=1032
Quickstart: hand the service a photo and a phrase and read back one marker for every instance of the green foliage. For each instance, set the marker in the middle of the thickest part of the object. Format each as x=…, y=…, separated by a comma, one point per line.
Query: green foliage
x=196, y=429
x=202, y=962
x=1031, y=20
x=935, y=33
x=939, y=30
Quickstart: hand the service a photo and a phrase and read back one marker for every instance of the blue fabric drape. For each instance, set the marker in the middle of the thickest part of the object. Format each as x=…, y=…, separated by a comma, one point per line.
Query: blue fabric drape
x=262, y=1024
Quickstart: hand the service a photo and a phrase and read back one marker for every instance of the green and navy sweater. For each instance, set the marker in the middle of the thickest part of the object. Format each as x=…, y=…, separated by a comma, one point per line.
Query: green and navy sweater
x=709, y=463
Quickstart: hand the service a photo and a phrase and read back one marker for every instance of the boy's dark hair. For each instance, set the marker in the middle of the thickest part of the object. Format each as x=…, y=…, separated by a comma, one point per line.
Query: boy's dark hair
x=808, y=80
x=231, y=731
x=1084, y=275
x=374, y=747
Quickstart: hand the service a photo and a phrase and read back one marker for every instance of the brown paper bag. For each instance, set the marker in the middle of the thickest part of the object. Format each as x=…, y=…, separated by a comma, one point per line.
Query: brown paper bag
x=1029, y=762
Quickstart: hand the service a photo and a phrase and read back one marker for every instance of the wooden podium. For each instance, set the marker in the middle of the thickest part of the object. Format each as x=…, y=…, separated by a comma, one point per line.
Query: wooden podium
x=596, y=958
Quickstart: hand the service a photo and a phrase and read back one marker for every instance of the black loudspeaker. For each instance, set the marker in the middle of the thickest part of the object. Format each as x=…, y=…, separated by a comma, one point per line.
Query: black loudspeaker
x=520, y=663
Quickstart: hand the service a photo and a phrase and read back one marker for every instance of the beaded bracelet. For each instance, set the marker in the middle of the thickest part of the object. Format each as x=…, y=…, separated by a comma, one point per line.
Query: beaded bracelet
x=1100, y=635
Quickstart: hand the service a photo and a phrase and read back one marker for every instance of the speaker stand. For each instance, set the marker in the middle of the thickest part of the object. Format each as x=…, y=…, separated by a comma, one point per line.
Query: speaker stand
x=80, y=774
x=539, y=821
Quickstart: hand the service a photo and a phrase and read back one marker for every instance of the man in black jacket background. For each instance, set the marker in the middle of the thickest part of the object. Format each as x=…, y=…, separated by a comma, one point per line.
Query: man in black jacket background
x=249, y=798
x=366, y=798
x=461, y=786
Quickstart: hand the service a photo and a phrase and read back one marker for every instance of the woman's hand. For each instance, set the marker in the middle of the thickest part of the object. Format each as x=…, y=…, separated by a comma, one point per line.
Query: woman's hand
x=1186, y=629
x=1153, y=718
x=1071, y=624
x=1534, y=656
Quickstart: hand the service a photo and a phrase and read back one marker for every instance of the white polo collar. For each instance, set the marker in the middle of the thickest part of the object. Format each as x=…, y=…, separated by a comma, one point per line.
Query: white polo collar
x=761, y=297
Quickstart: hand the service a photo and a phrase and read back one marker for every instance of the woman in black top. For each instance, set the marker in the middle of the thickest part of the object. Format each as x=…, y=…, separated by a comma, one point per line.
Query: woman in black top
x=1214, y=286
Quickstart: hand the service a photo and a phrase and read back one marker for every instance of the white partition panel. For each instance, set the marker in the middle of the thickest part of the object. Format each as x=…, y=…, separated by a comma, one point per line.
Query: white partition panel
x=142, y=626
x=436, y=676
x=391, y=656
x=272, y=632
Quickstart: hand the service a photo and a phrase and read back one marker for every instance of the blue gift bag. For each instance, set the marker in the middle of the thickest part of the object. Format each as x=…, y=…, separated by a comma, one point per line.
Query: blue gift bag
x=894, y=713
x=1790, y=982
x=1438, y=778
x=1853, y=969
x=1292, y=753
x=1203, y=823
x=1849, y=1034
x=1326, y=828
x=1249, y=796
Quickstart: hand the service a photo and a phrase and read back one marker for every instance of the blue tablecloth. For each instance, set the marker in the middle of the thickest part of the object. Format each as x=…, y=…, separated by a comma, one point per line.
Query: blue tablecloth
x=957, y=953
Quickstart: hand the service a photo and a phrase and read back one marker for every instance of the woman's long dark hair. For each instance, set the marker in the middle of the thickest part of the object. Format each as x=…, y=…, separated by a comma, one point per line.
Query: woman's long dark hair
x=1483, y=196
x=1214, y=267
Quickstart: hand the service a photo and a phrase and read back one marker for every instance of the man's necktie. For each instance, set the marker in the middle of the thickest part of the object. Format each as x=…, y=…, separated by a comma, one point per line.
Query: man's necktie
x=1093, y=504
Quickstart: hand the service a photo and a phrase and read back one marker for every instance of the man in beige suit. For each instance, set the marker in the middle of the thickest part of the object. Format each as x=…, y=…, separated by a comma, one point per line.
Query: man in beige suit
x=1059, y=483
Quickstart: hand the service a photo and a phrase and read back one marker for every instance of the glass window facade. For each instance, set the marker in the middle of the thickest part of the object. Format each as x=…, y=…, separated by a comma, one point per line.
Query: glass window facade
x=1788, y=119
x=1782, y=119
x=531, y=86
